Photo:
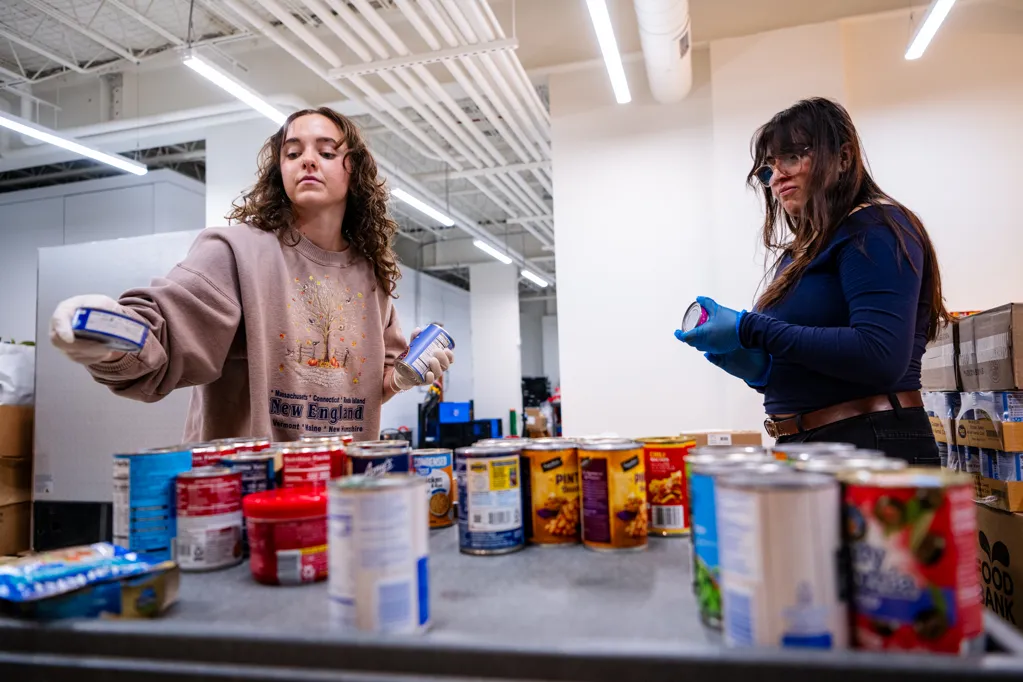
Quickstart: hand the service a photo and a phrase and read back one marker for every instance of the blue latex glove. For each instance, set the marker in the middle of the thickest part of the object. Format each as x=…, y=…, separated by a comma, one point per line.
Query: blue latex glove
x=719, y=334
x=751, y=365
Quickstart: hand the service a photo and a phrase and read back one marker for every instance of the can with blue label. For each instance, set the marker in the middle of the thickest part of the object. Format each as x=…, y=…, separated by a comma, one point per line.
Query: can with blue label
x=437, y=467
x=780, y=540
x=413, y=365
x=702, y=466
x=113, y=330
x=378, y=548
x=145, y=518
x=258, y=475
x=490, y=499
x=378, y=457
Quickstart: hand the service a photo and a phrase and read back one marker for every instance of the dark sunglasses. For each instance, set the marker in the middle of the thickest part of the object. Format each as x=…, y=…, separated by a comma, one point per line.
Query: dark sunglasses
x=787, y=163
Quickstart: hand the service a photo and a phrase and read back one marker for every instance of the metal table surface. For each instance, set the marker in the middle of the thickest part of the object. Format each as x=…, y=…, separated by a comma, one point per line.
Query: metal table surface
x=544, y=614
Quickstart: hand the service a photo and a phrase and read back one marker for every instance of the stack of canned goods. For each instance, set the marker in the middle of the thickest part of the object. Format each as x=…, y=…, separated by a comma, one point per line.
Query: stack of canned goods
x=777, y=546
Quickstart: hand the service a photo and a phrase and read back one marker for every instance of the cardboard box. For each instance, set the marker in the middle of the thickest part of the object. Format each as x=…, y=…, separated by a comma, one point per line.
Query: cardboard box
x=724, y=437
x=1000, y=555
x=939, y=366
x=991, y=349
x=16, y=430
x=15, y=520
x=536, y=423
x=15, y=480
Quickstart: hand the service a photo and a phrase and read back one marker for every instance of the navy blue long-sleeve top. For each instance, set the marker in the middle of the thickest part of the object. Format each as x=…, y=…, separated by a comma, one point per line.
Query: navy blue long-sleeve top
x=855, y=324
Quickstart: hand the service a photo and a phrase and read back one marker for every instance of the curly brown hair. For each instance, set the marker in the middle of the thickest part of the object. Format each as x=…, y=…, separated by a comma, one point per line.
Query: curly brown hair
x=366, y=226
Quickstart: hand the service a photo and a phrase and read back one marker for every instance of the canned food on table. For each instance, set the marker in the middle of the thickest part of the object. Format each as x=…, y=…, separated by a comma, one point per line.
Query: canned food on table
x=413, y=364
x=379, y=566
x=247, y=443
x=375, y=458
x=550, y=492
x=336, y=446
x=792, y=452
x=305, y=465
x=613, y=491
x=437, y=467
x=912, y=537
x=702, y=465
x=144, y=518
x=490, y=511
x=209, y=506
x=258, y=475
x=287, y=531
x=210, y=454
x=779, y=545
x=666, y=490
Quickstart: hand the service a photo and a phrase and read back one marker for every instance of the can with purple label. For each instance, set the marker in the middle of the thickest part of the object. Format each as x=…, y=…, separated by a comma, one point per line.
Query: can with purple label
x=413, y=365
x=695, y=315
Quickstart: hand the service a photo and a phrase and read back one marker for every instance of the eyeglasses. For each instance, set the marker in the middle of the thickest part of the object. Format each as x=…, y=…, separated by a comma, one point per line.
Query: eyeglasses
x=786, y=163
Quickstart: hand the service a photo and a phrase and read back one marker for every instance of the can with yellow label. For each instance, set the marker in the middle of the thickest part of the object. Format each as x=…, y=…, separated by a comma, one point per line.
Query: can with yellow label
x=550, y=492
x=490, y=499
x=613, y=495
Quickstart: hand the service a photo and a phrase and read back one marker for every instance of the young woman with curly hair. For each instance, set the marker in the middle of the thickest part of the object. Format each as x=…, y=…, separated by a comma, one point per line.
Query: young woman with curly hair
x=284, y=324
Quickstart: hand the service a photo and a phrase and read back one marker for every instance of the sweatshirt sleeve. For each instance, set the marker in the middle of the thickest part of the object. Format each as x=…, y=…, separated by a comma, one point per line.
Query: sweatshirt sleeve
x=394, y=345
x=882, y=290
x=193, y=316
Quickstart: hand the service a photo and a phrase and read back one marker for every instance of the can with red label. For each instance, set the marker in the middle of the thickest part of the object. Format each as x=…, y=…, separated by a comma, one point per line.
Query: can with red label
x=210, y=454
x=912, y=539
x=246, y=443
x=336, y=446
x=305, y=464
x=209, y=510
x=667, y=497
x=287, y=532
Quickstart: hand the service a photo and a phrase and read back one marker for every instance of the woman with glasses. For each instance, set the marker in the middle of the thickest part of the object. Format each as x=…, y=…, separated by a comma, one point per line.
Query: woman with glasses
x=835, y=339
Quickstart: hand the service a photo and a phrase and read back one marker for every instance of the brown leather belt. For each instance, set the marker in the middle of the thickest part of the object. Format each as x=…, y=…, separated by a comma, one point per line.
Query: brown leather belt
x=836, y=413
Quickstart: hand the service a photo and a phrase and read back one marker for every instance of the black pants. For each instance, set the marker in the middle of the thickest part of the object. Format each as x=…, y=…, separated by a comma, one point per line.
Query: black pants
x=904, y=432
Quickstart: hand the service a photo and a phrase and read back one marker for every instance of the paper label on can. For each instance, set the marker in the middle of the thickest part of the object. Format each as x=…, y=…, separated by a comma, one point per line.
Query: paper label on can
x=914, y=562
x=550, y=496
x=613, y=498
x=302, y=469
x=495, y=502
x=667, y=492
x=437, y=470
x=706, y=567
x=379, y=465
x=292, y=552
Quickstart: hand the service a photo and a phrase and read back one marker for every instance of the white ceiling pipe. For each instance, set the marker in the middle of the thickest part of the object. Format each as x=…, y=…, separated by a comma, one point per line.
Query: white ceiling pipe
x=667, y=47
x=477, y=30
x=274, y=35
x=435, y=115
x=541, y=235
x=538, y=105
x=303, y=33
x=486, y=152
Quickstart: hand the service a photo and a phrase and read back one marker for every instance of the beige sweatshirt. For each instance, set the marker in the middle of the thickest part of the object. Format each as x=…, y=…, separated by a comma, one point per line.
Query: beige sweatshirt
x=278, y=341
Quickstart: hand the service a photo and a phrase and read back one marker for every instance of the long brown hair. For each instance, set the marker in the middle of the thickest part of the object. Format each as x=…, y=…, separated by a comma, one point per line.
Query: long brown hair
x=839, y=181
x=366, y=226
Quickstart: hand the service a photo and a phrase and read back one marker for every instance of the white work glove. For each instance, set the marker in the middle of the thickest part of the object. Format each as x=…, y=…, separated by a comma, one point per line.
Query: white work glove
x=82, y=351
x=438, y=365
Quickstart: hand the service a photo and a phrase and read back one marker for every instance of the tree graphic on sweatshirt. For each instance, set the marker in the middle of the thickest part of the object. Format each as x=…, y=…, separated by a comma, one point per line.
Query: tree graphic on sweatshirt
x=323, y=312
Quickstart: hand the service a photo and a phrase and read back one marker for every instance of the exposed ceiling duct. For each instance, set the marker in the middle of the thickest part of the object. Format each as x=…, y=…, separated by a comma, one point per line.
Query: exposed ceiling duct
x=667, y=47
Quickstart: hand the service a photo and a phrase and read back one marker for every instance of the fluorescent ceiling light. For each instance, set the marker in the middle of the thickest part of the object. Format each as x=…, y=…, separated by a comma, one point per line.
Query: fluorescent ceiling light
x=488, y=249
x=20, y=125
x=535, y=279
x=609, y=48
x=422, y=207
x=935, y=15
x=236, y=89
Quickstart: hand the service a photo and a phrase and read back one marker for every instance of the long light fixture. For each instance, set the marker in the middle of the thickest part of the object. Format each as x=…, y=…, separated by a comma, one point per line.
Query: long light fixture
x=609, y=48
x=936, y=14
x=20, y=125
x=422, y=207
x=236, y=89
x=535, y=279
x=491, y=251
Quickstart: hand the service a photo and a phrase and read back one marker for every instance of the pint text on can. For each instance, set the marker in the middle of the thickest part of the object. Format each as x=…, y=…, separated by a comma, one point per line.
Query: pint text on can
x=490, y=499
x=780, y=541
x=550, y=492
x=143, y=493
x=209, y=506
x=378, y=554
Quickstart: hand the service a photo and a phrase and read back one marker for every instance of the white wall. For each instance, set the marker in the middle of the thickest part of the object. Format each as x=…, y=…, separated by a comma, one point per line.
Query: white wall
x=675, y=220
x=531, y=315
x=497, y=360
x=74, y=213
x=231, y=153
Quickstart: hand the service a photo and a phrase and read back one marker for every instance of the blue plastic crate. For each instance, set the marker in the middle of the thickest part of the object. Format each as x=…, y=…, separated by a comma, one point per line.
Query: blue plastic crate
x=454, y=413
